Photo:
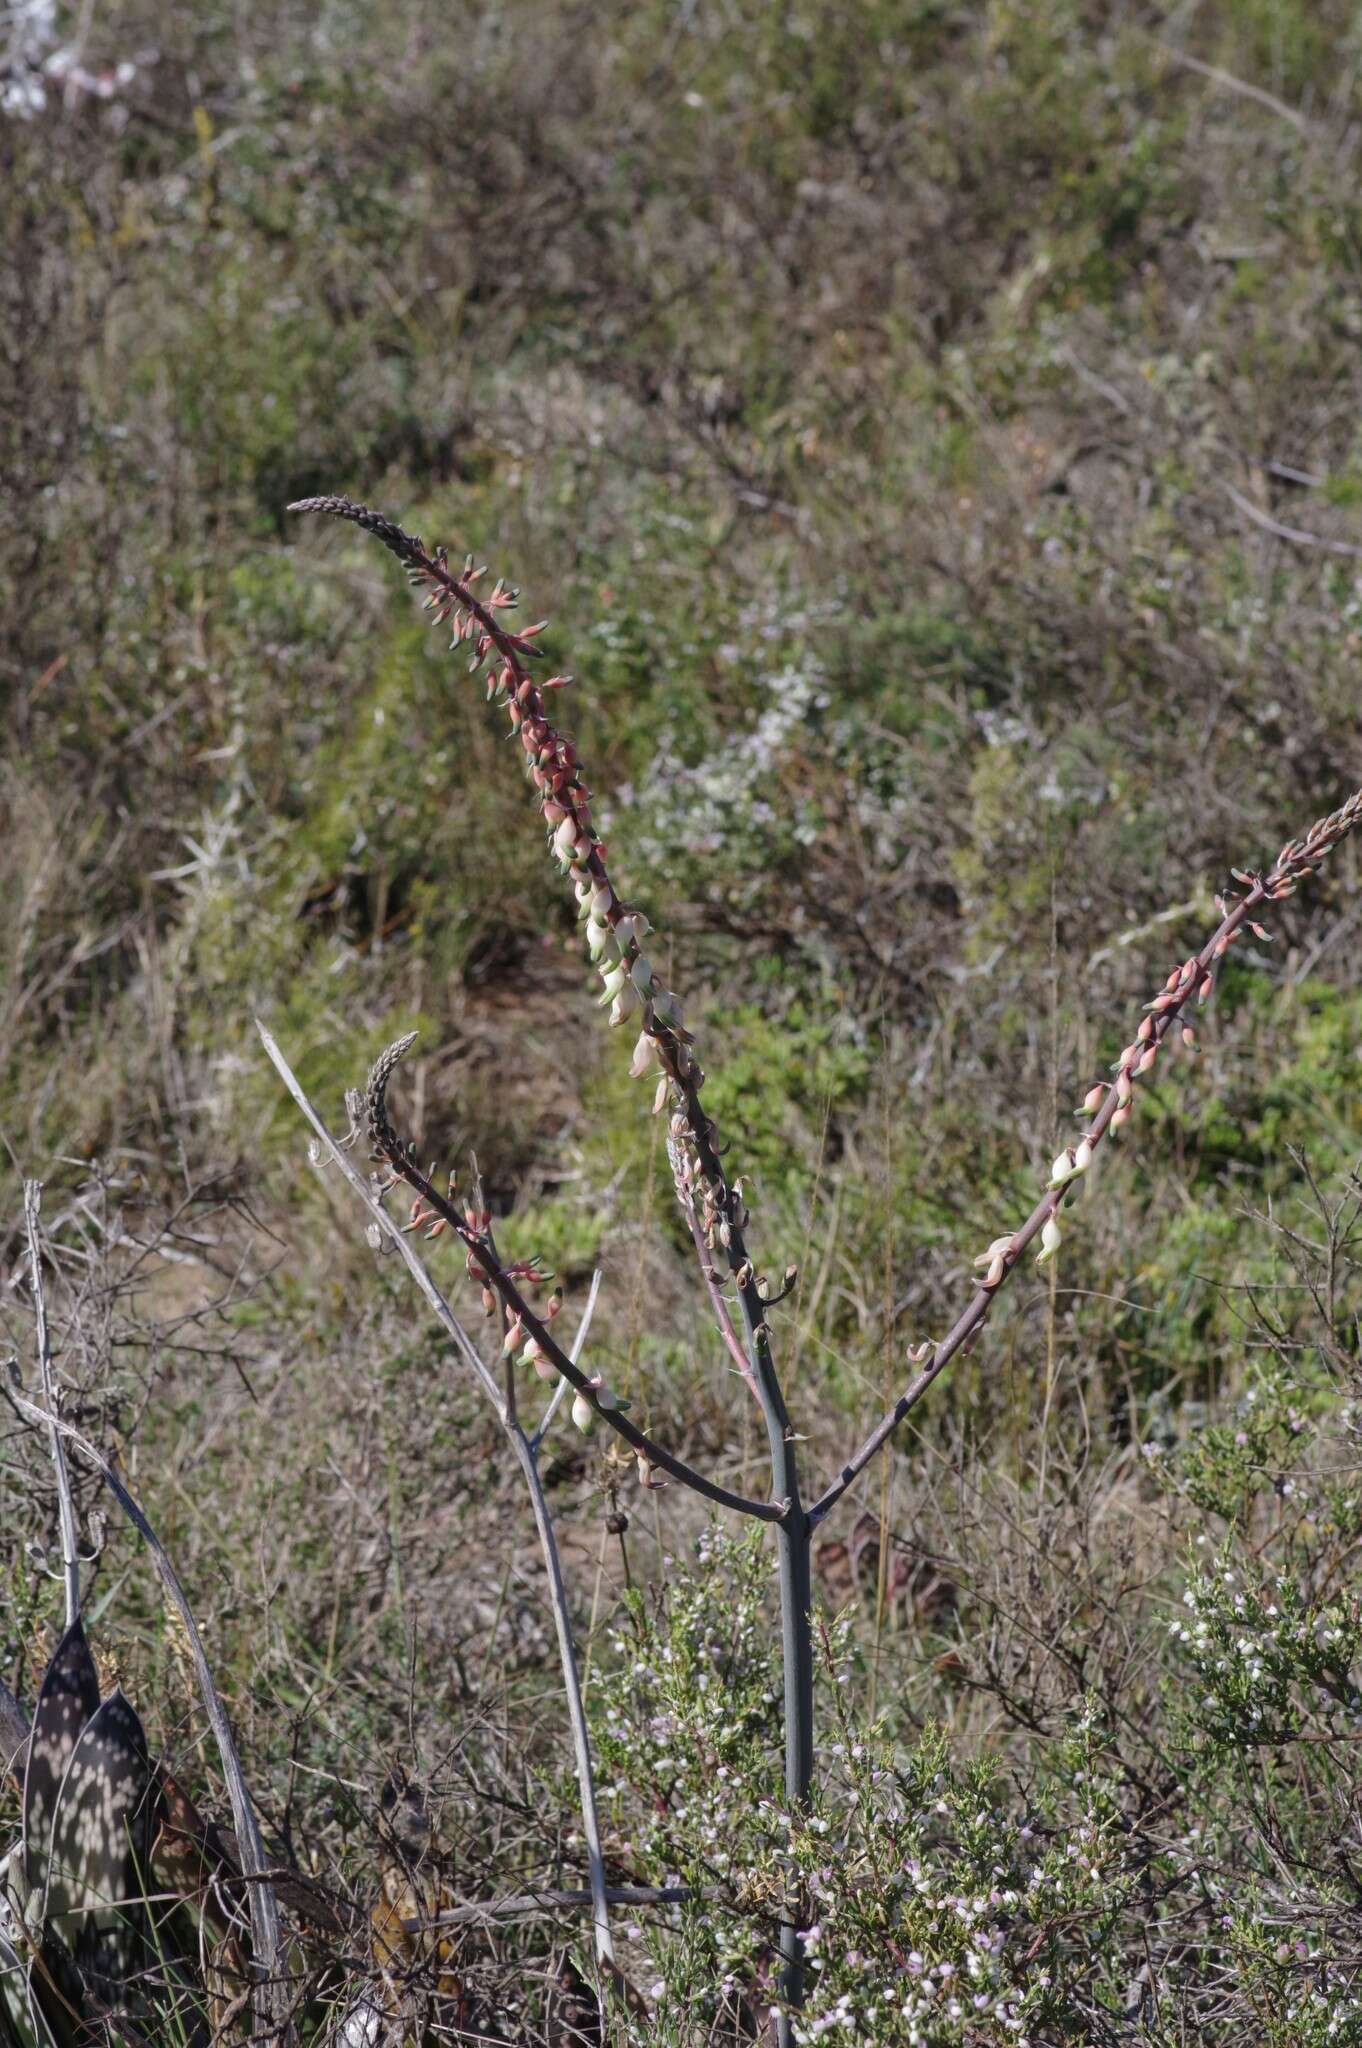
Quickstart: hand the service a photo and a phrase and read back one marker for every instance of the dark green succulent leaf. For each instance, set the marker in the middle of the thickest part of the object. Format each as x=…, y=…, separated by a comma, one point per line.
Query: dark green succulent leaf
x=69, y=1696
x=57, y=1997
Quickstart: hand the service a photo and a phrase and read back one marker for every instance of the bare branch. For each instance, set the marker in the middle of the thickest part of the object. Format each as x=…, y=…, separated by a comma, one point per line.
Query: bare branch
x=525, y=1456
x=66, y=1507
x=575, y=1354
x=522, y=1905
x=572, y=1686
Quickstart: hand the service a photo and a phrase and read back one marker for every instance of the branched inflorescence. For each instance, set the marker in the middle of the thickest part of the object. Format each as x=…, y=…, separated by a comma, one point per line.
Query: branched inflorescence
x=616, y=938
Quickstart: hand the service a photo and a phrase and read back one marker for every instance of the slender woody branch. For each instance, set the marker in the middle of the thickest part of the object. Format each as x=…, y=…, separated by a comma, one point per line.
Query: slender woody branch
x=524, y=1905
x=525, y=1453
x=1113, y=1104
x=66, y=1507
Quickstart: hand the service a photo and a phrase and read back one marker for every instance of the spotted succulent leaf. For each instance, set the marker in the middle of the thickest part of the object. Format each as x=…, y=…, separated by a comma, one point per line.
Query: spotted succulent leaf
x=100, y=1844
x=68, y=1699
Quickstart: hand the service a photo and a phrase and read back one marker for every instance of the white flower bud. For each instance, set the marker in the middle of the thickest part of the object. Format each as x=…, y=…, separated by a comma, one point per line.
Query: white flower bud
x=583, y=1414
x=1071, y=1162
x=1050, y=1241
x=624, y=1005
x=597, y=938
x=645, y=1052
x=612, y=981
x=565, y=840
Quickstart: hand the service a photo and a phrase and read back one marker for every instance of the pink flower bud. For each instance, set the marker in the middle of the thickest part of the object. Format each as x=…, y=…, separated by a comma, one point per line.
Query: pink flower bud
x=1095, y=1097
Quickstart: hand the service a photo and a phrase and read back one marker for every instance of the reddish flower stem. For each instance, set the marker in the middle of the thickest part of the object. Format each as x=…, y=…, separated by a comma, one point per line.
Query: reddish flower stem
x=479, y=1245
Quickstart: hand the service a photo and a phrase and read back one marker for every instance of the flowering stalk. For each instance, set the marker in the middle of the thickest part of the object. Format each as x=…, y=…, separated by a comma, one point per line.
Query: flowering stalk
x=615, y=934
x=1110, y=1105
